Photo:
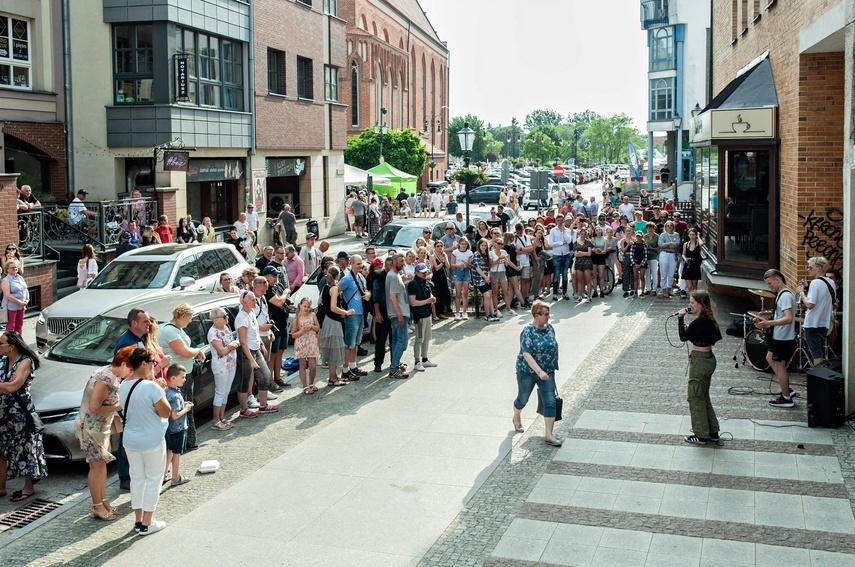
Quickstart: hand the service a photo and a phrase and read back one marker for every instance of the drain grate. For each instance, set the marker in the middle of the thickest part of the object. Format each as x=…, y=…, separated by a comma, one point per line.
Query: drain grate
x=28, y=514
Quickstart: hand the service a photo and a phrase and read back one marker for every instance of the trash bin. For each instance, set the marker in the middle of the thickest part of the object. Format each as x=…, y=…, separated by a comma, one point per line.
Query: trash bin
x=312, y=226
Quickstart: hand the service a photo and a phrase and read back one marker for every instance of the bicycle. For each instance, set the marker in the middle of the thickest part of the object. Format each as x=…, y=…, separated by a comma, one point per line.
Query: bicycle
x=608, y=285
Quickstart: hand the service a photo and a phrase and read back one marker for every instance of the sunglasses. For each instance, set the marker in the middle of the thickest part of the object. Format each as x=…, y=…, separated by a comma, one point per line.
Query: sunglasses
x=10, y=248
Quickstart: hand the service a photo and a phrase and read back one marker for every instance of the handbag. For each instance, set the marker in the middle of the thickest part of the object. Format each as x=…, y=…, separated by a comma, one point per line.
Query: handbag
x=33, y=421
x=559, y=405
x=116, y=426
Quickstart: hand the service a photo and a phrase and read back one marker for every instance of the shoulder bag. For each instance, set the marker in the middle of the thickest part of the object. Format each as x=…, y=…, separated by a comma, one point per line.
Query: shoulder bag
x=559, y=404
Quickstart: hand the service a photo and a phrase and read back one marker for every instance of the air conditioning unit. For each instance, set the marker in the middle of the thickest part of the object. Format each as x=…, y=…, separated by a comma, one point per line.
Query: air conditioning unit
x=276, y=201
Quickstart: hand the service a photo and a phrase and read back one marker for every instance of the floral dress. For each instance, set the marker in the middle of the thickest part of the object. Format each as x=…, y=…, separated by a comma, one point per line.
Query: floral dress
x=22, y=449
x=306, y=345
x=93, y=430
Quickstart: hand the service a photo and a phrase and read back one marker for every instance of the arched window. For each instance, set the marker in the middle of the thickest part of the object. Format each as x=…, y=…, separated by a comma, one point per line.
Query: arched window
x=661, y=99
x=412, y=92
x=354, y=95
x=424, y=92
x=399, y=102
x=389, y=106
x=385, y=35
x=374, y=28
x=401, y=43
x=662, y=50
x=378, y=93
x=432, y=96
x=363, y=23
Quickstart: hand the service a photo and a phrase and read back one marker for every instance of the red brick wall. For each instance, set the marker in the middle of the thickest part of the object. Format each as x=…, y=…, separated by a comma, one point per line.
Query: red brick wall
x=167, y=204
x=810, y=124
x=48, y=139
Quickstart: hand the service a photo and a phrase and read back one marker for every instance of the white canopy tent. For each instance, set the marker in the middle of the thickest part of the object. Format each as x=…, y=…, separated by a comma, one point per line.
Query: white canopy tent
x=355, y=176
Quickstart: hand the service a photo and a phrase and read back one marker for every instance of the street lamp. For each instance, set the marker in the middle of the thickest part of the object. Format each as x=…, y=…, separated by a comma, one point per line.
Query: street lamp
x=678, y=147
x=381, y=130
x=466, y=135
x=513, y=139
x=575, y=160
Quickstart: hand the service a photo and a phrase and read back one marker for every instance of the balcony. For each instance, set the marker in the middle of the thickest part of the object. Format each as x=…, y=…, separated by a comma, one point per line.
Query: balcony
x=654, y=13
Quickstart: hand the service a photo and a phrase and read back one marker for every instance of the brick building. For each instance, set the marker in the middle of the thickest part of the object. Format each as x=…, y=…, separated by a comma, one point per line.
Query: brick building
x=396, y=61
x=773, y=148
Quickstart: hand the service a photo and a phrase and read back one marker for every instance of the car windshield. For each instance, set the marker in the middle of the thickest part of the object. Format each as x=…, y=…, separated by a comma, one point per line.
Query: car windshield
x=134, y=275
x=397, y=235
x=90, y=343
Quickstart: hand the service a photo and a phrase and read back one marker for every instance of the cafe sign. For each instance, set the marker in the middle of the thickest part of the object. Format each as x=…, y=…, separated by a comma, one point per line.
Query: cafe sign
x=733, y=124
x=285, y=167
x=214, y=170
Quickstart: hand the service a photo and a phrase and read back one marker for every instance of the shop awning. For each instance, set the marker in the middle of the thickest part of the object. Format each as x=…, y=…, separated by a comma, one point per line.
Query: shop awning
x=754, y=88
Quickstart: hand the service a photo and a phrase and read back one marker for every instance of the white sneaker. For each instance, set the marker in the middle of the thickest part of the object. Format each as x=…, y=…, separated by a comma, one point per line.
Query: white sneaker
x=252, y=403
x=511, y=312
x=271, y=396
x=419, y=367
x=411, y=330
x=428, y=364
x=456, y=316
x=155, y=526
x=498, y=314
x=464, y=316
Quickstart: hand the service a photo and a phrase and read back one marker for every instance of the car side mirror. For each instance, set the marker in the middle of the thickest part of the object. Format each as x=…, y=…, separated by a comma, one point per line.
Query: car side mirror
x=186, y=282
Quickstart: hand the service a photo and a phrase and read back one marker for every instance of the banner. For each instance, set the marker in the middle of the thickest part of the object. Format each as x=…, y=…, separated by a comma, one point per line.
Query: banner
x=633, y=157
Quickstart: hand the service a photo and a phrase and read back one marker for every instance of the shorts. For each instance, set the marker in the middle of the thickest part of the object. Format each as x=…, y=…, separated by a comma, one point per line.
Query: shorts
x=598, y=259
x=359, y=221
x=353, y=330
x=816, y=338
x=525, y=272
x=498, y=276
x=462, y=275
x=782, y=350
x=486, y=288
x=280, y=341
x=175, y=441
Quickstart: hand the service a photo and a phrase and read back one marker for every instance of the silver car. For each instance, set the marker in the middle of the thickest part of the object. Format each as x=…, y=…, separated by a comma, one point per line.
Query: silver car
x=158, y=270
x=57, y=388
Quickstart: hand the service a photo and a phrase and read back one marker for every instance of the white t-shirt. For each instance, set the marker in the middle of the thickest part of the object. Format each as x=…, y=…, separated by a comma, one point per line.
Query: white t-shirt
x=461, y=257
x=626, y=210
x=436, y=200
x=75, y=211
x=785, y=300
x=248, y=320
x=241, y=228
x=497, y=265
x=823, y=309
x=252, y=221
x=145, y=429
x=523, y=241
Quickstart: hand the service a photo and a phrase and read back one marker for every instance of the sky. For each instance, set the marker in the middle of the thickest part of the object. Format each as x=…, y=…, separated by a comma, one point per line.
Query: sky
x=510, y=57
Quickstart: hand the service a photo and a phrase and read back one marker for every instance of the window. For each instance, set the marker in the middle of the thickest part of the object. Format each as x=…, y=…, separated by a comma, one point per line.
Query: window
x=662, y=50
x=305, y=88
x=661, y=99
x=306, y=2
x=275, y=72
x=134, y=64
x=330, y=83
x=331, y=7
x=354, y=94
x=186, y=269
x=215, y=69
x=15, y=55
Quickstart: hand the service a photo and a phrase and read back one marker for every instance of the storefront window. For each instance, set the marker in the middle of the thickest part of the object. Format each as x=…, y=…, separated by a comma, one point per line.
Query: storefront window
x=15, y=55
x=133, y=51
x=706, y=195
x=746, y=207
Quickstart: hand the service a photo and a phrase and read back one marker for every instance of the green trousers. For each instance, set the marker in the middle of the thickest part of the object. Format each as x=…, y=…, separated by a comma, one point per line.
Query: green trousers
x=701, y=368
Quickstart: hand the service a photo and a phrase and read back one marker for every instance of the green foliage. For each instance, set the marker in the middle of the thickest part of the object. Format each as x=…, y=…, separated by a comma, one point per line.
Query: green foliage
x=608, y=137
x=543, y=144
x=401, y=148
x=463, y=175
x=478, y=147
x=542, y=118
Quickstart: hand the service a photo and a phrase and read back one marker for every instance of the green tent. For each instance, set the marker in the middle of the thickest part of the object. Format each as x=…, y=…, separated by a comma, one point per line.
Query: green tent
x=399, y=179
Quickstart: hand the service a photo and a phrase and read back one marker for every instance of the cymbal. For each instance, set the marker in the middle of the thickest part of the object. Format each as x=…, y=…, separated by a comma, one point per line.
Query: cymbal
x=763, y=293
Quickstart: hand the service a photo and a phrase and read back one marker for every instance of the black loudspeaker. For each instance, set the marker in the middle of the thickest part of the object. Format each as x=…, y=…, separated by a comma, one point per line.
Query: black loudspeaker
x=835, y=364
x=826, y=405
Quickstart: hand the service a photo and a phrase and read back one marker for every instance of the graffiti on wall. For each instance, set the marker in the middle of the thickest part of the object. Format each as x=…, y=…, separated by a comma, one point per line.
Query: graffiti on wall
x=823, y=235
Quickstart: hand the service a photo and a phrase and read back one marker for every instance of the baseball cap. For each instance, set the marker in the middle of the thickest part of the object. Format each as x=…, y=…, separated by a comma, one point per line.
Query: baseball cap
x=342, y=254
x=270, y=271
x=396, y=256
x=311, y=235
x=84, y=191
x=422, y=268
x=376, y=263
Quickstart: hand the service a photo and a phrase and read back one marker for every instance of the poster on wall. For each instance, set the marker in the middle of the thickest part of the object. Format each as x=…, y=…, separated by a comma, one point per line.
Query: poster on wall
x=259, y=190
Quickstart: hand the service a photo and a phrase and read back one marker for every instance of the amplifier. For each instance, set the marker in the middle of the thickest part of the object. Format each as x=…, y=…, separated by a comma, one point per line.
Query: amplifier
x=826, y=405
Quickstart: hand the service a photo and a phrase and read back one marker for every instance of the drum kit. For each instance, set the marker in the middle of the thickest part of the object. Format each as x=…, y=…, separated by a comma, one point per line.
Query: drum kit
x=754, y=348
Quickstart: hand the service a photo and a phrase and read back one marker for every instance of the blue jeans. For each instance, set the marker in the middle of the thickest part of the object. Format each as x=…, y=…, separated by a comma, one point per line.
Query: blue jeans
x=526, y=383
x=562, y=265
x=399, y=343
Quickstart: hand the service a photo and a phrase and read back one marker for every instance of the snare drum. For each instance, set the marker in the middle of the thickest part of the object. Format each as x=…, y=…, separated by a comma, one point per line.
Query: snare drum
x=756, y=349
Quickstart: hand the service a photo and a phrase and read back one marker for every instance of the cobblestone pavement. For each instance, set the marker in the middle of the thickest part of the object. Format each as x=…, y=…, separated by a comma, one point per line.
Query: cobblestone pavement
x=626, y=490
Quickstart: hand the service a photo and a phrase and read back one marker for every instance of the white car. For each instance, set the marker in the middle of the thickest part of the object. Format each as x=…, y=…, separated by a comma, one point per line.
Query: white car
x=552, y=199
x=164, y=269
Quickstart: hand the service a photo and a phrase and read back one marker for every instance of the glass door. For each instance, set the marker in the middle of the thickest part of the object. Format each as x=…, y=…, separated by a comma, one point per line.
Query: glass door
x=745, y=230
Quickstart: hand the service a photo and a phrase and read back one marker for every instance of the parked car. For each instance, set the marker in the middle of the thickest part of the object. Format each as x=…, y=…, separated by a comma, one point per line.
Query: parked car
x=552, y=199
x=67, y=365
x=163, y=269
x=482, y=194
x=479, y=213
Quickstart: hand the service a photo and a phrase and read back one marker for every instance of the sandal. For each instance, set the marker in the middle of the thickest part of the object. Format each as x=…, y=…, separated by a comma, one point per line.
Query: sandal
x=334, y=383
x=106, y=517
x=553, y=442
x=314, y=388
x=19, y=496
x=308, y=390
x=180, y=480
x=518, y=427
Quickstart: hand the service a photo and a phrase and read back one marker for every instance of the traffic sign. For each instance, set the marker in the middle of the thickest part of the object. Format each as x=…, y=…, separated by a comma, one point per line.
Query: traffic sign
x=557, y=171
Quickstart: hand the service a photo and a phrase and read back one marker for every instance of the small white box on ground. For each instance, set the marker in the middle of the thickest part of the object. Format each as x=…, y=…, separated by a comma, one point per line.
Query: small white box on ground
x=209, y=467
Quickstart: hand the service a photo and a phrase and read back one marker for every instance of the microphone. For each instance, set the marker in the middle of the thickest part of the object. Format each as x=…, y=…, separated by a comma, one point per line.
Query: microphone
x=688, y=310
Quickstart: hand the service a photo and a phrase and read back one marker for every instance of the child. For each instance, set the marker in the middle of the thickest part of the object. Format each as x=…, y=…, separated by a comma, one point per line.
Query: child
x=164, y=231
x=638, y=259
x=223, y=364
x=305, y=331
x=176, y=433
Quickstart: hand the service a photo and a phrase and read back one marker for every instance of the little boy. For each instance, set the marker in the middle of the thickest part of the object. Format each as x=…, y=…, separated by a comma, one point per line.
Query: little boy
x=176, y=432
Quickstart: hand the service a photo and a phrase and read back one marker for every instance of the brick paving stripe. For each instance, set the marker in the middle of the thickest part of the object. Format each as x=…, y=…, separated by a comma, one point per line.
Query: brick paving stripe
x=800, y=487
x=690, y=527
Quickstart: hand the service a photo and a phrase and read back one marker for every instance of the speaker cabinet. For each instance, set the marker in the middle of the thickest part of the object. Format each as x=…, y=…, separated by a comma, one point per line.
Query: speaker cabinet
x=825, y=398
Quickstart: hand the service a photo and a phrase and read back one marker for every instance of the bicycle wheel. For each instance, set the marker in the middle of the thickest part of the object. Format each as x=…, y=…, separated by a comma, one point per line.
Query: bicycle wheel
x=609, y=284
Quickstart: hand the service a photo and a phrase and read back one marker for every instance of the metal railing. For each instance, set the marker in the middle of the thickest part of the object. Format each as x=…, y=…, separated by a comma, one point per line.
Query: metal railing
x=31, y=236
x=654, y=13
x=111, y=218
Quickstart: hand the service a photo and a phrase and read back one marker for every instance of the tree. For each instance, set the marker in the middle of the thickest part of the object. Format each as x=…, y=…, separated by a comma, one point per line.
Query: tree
x=542, y=118
x=401, y=149
x=542, y=144
x=475, y=123
x=608, y=138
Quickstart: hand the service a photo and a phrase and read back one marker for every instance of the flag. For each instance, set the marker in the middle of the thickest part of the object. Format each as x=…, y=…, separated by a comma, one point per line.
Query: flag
x=633, y=157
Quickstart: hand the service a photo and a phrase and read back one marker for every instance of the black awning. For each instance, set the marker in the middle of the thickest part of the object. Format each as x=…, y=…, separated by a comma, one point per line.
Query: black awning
x=753, y=89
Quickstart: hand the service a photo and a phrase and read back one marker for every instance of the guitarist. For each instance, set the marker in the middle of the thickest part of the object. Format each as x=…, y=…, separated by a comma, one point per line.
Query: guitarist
x=819, y=301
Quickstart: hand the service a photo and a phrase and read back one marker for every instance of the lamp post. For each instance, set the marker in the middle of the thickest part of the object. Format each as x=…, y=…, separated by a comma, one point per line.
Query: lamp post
x=466, y=135
x=381, y=130
x=513, y=139
x=678, y=148
x=575, y=160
